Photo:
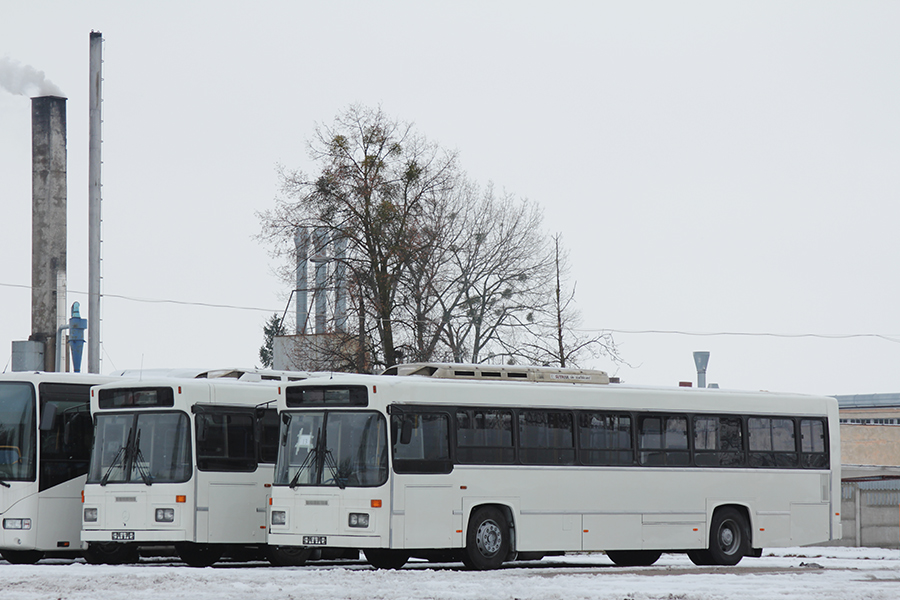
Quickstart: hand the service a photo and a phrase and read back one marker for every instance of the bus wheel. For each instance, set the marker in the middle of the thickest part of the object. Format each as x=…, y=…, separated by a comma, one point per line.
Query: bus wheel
x=386, y=559
x=633, y=558
x=487, y=540
x=701, y=558
x=111, y=553
x=729, y=537
x=199, y=555
x=22, y=557
x=288, y=556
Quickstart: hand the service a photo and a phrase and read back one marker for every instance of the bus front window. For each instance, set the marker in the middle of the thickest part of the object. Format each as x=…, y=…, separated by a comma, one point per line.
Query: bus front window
x=17, y=444
x=337, y=448
x=151, y=447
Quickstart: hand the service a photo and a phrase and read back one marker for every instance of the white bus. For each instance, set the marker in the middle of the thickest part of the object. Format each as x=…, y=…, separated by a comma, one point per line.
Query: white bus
x=485, y=464
x=45, y=447
x=185, y=463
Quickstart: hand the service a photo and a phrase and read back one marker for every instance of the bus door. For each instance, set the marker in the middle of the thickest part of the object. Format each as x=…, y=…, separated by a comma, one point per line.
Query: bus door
x=427, y=500
x=231, y=492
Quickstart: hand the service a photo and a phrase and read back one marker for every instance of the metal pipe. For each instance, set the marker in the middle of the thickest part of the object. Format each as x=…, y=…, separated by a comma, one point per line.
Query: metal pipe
x=94, y=199
x=301, y=246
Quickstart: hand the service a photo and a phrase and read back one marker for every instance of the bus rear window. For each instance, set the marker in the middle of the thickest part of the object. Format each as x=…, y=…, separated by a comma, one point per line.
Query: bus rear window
x=144, y=397
x=326, y=395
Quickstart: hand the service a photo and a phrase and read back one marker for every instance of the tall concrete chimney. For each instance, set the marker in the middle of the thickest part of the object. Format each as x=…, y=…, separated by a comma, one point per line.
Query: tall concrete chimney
x=48, y=222
x=94, y=197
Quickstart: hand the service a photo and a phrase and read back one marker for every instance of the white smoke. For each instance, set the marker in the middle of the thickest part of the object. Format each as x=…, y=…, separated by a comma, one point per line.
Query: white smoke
x=25, y=80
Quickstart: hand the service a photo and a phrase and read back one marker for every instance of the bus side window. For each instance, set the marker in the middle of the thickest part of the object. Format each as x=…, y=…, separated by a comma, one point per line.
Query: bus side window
x=664, y=441
x=605, y=439
x=421, y=442
x=813, y=453
x=718, y=442
x=772, y=442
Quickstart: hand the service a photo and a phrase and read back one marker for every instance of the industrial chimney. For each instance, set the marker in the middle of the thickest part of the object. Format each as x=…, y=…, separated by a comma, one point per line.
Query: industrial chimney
x=48, y=223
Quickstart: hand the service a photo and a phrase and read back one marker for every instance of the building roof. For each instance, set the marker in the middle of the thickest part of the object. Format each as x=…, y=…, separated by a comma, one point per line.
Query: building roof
x=869, y=401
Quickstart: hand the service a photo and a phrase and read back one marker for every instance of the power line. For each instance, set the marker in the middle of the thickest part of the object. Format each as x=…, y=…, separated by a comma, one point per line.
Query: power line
x=157, y=300
x=833, y=336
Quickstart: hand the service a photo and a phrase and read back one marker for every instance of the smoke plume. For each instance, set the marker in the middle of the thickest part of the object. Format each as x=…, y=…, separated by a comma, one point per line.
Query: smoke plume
x=25, y=80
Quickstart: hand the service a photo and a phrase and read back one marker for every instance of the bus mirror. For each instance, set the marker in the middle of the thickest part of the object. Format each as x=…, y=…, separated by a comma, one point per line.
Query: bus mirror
x=285, y=418
x=406, y=431
x=48, y=416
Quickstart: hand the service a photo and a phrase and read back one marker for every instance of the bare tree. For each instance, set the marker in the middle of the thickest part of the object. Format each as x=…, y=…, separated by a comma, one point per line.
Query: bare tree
x=555, y=339
x=380, y=187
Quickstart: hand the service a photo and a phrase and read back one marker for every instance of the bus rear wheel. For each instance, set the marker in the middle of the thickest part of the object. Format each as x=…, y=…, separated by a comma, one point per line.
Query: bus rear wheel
x=288, y=556
x=386, y=559
x=199, y=555
x=111, y=553
x=729, y=537
x=633, y=558
x=487, y=539
x=22, y=557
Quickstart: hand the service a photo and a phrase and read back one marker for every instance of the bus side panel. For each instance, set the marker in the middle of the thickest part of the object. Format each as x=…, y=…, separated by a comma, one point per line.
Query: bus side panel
x=611, y=532
x=236, y=509
x=431, y=523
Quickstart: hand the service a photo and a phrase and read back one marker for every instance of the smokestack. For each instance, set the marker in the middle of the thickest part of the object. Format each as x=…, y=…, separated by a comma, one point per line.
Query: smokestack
x=701, y=360
x=301, y=244
x=48, y=222
x=320, y=260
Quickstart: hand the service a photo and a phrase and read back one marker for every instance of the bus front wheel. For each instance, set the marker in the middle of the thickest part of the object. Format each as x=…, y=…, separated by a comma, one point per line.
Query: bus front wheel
x=111, y=553
x=729, y=537
x=288, y=556
x=386, y=559
x=22, y=557
x=633, y=558
x=487, y=540
x=199, y=555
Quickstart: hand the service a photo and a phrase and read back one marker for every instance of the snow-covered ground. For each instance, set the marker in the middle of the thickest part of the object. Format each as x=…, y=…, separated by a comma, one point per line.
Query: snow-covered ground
x=784, y=574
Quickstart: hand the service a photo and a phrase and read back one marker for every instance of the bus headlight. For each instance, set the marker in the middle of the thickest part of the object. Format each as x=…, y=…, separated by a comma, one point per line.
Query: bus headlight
x=90, y=515
x=279, y=517
x=165, y=515
x=16, y=523
x=359, y=520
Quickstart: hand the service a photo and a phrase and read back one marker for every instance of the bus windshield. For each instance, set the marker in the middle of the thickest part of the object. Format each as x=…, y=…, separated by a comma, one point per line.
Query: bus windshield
x=17, y=447
x=332, y=448
x=148, y=448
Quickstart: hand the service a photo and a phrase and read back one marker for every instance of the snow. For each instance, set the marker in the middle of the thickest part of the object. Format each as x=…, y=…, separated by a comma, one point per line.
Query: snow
x=785, y=574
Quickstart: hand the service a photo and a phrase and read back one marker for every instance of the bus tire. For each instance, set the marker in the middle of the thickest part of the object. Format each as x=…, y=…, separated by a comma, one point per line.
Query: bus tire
x=633, y=558
x=386, y=559
x=487, y=539
x=22, y=557
x=701, y=558
x=288, y=556
x=111, y=553
x=199, y=555
x=729, y=537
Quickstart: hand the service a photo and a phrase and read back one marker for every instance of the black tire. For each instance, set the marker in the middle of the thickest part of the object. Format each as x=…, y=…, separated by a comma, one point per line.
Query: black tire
x=729, y=537
x=633, y=558
x=288, y=556
x=701, y=558
x=111, y=553
x=22, y=557
x=386, y=559
x=487, y=539
x=199, y=555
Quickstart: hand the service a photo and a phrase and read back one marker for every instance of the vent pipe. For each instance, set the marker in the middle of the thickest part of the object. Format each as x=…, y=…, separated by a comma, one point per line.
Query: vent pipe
x=701, y=359
x=48, y=222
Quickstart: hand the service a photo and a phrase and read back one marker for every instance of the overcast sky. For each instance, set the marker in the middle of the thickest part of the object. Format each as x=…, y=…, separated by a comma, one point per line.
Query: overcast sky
x=714, y=168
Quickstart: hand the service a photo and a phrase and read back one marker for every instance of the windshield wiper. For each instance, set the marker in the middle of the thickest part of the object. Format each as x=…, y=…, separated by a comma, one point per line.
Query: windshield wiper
x=4, y=484
x=139, y=459
x=312, y=455
x=123, y=452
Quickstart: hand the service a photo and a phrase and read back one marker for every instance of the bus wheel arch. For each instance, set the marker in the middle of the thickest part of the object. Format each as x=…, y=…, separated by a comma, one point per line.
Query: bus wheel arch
x=489, y=537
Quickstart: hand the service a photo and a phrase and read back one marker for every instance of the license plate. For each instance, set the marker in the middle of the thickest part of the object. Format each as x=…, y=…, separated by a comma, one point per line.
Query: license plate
x=314, y=540
x=122, y=536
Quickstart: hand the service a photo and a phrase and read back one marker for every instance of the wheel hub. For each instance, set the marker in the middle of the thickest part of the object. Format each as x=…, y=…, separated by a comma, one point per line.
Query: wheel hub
x=488, y=538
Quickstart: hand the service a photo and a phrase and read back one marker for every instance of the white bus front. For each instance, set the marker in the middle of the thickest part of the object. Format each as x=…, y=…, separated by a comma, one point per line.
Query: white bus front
x=330, y=478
